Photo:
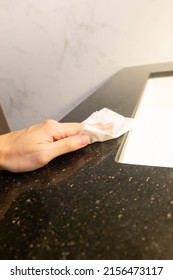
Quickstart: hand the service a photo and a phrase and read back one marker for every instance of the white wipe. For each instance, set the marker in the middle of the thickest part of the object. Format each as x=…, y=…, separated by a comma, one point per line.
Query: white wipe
x=120, y=125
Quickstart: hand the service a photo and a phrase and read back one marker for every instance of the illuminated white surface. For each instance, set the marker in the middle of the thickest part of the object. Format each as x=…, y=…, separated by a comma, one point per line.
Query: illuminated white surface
x=150, y=142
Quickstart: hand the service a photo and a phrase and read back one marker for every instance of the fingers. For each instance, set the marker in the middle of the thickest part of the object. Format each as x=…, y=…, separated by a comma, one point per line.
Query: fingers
x=68, y=144
x=63, y=130
x=68, y=137
x=71, y=138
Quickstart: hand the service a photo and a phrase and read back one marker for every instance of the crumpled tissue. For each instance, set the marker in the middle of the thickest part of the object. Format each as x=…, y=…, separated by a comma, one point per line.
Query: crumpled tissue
x=121, y=125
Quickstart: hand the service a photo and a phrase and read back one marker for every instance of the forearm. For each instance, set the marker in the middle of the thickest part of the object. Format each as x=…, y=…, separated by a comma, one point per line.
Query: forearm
x=1, y=159
x=2, y=151
x=11, y=151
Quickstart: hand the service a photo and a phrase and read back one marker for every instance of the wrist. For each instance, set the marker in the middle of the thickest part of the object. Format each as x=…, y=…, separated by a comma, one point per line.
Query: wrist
x=1, y=159
x=2, y=151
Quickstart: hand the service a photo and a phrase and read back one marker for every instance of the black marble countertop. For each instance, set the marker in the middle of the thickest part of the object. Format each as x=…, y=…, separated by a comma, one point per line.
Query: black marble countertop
x=84, y=205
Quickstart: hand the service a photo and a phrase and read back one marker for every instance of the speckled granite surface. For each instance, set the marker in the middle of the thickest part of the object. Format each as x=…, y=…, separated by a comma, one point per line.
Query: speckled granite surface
x=84, y=205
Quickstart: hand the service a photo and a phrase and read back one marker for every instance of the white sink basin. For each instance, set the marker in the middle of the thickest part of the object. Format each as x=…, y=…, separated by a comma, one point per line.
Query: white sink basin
x=150, y=142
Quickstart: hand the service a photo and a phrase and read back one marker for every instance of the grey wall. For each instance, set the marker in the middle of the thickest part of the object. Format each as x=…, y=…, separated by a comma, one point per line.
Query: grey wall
x=53, y=53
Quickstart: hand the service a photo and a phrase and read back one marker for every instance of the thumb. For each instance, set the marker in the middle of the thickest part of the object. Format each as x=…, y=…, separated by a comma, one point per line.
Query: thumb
x=68, y=144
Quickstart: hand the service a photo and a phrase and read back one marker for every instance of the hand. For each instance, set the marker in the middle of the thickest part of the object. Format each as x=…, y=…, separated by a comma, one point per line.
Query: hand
x=31, y=148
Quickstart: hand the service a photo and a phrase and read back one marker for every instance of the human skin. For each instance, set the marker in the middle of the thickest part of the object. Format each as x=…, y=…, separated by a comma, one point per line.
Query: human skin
x=32, y=148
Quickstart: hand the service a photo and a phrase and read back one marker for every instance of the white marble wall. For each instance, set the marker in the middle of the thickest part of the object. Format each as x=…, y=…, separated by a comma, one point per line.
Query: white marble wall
x=53, y=53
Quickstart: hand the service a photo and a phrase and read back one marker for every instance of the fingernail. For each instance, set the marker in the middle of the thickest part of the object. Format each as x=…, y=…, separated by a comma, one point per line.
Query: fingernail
x=84, y=140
